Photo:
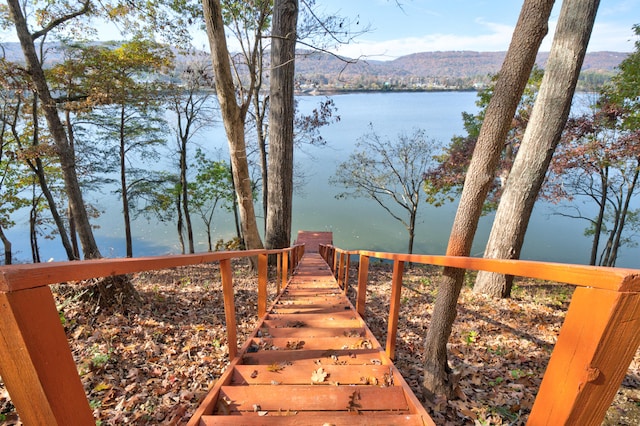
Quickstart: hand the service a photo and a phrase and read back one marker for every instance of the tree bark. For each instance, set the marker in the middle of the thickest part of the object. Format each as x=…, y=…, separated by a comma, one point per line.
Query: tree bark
x=179, y=222
x=281, y=114
x=37, y=168
x=73, y=235
x=514, y=74
x=600, y=218
x=184, y=185
x=110, y=290
x=123, y=186
x=6, y=243
x=541, y=137
x=66, y=156
x=623, y=215
x=233, y=116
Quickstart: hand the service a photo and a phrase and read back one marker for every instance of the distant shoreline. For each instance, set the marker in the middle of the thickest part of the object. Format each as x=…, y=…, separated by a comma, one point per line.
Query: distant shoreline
x=329, y=92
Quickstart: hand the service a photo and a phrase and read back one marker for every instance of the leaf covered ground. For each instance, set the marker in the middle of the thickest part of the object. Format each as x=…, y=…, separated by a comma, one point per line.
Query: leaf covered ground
x=152, y=363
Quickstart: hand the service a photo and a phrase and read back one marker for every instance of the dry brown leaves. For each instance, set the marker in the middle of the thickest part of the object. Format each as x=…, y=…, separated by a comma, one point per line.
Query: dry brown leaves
x=153, y=363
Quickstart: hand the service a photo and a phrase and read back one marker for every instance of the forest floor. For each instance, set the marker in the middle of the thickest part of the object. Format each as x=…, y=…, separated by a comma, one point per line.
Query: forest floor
x=152, y=363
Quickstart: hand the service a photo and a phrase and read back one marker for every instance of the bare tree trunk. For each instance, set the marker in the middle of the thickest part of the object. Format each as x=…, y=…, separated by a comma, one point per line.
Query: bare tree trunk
x=184, y=185
x=236, y=220
x=262, y=148
x=123, y=187
x=541, y=137
x=110, y=290
x=281, y=113
x=625, y=210
x=180, y=224
x=600, y=218
x=7, y=247
x=73, y=236
x=233, y=117
x=66, y=156
x=37, y=168
x=514, y=74
x=412, y=226
x=33, y=231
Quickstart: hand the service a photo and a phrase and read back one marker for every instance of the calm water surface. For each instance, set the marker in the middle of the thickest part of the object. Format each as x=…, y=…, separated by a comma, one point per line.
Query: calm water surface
x=356, y=223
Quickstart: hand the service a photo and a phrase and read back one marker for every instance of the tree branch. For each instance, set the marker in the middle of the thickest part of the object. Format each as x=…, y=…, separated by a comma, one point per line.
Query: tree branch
x=57, y=22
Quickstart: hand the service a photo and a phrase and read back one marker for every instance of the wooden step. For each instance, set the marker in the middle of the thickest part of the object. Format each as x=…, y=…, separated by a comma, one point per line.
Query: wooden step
x=311, y=398
x=318, y=322
x=338, y=342
x=318, y=356
x=311, y=332
x=315, y=419
x=300, y=374
x=311, y=361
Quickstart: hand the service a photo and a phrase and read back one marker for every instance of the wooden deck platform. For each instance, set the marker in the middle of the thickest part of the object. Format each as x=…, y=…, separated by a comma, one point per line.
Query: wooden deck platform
x=313, y=239
x=311, y=361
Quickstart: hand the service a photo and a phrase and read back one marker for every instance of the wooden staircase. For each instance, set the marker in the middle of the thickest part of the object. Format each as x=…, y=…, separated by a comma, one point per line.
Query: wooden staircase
x=311, y=361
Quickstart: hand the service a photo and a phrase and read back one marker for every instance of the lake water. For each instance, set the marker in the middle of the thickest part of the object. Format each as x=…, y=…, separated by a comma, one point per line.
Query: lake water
x=355, y=223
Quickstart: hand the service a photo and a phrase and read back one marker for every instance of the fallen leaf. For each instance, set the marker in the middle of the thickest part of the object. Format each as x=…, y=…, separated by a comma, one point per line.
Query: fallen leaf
x=295, y=345
x=318, y=376
x=274, y=368
x=101, y=387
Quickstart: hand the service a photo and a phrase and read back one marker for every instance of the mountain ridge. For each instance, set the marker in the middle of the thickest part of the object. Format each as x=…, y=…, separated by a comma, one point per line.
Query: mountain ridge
x=426, y=70
x=453, y=69
x=474, y=62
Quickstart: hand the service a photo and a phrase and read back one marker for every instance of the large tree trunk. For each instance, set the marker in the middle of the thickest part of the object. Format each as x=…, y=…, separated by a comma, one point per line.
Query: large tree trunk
x=528, y=34
x=110, y=290
x=541, y=137
x=262, y=149
x=65, y=154
x=281, y=112
x=233, y=117
x=37, y=168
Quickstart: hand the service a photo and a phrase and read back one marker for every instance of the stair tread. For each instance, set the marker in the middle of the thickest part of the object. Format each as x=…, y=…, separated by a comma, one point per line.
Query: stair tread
x=301, y=374
x=316, y=419
x=312, y=398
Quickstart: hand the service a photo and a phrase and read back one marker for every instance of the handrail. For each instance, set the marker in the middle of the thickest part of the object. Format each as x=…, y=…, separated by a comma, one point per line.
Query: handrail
x=36, y=364
x=598, y=340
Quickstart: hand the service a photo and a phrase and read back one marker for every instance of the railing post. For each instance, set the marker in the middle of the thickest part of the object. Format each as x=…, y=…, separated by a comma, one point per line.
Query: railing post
x=363, y=276
x=340, y=269
x=278, y=271
x=394, y=308
x=36, y=363
x=294, y=258
x=334, y=261
x=285, y=268
x=229, y=307
x=346, y=273
x=597, y=341
x=263, y=260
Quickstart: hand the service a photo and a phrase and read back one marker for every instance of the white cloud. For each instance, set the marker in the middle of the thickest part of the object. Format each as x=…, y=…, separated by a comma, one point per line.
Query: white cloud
x=605, y=36
x=496, y=39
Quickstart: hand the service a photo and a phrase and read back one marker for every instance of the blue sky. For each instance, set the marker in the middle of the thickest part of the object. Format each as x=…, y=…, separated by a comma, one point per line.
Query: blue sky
x=482, y=25
x=437, y=25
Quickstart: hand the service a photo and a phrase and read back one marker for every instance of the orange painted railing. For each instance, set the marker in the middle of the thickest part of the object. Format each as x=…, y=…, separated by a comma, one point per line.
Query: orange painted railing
x=36, y=364
x=598, y=340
